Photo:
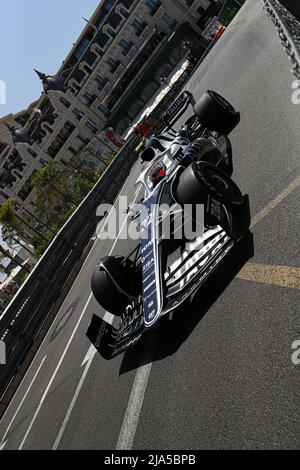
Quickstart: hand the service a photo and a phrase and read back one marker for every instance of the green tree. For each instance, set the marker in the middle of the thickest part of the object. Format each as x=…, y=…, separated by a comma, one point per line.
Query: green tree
x=12, y=221
x=53, y=198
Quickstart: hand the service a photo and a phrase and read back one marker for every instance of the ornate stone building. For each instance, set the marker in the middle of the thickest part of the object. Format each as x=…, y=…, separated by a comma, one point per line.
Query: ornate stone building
x=114, y=67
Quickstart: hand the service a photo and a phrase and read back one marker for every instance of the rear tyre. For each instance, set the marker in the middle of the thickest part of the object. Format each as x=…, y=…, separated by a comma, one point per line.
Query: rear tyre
x=147, y=154
x=216, y=113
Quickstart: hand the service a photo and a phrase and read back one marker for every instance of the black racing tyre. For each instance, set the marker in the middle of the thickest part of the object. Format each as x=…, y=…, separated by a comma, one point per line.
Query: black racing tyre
x=114, y=284
x=216, y=113
x=202, y=179
x=147, y=154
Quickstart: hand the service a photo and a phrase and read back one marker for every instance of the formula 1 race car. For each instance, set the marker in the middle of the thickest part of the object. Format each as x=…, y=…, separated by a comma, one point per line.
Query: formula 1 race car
x=186, y=170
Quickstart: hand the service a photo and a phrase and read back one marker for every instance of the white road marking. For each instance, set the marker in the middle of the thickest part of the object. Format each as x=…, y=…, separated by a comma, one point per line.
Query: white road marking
x=135, y=403
x=3, y=445
x=54, y=374
x=21, y=403
x=108, y=317
x=134, y=407
x=90, y=355
x=131, y=418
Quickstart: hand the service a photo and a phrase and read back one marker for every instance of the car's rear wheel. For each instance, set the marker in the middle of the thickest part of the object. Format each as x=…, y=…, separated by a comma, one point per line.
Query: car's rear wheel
x=216, y=113
x=147, y=154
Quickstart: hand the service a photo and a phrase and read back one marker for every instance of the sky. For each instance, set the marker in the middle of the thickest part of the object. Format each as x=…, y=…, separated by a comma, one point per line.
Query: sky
x=36, y=34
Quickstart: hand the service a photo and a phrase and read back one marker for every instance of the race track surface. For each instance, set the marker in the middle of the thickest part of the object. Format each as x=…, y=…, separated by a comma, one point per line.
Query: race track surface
x=218, y=373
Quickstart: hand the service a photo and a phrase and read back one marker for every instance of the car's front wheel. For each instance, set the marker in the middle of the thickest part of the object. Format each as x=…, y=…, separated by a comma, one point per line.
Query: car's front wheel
x=115, y=282
x=203, y=183
x=201, y=179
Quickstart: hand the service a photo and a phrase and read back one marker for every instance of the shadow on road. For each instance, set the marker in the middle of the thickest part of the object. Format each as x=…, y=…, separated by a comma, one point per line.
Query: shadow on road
x=174, y=330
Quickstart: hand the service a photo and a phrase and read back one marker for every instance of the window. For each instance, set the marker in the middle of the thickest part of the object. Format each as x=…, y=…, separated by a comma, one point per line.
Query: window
x=104, y=109
x=113, y=64
x=101, y=81
x=61, y=139
x=89, y=98
x=84, y=140
x=73, y=151
x=98, y=51
x=125, y=45
x=111, y=32
x=76, y=87
x=31, y=152
x=82, y=47
x=124, y=12
x=108, y=5
x=48, y=129
x=87, y=69
x=153, y=6
x=139, y=26
x=201, y=10
x=26, y=188
x=170, y=21
x=91, y=127
x=65, y=102
x=78, y=113
x=2, y=147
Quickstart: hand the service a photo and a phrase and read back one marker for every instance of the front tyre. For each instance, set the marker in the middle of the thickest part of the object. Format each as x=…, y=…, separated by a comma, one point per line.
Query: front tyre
x=202, y=179
x=203, y=183
x=115, y=282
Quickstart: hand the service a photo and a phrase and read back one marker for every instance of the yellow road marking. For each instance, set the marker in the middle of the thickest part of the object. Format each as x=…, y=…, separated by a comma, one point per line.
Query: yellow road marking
x=283, y=276
x=272, y=204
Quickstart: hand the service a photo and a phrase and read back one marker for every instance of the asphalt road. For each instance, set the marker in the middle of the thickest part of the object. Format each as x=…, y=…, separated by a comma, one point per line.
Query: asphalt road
x=218, y=373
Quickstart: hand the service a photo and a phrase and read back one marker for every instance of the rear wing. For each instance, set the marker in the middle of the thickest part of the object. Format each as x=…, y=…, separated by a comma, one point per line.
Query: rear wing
x=174, y=112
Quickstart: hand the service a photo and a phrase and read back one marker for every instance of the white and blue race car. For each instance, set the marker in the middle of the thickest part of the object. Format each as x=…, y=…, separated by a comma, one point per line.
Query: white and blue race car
x=186, y=170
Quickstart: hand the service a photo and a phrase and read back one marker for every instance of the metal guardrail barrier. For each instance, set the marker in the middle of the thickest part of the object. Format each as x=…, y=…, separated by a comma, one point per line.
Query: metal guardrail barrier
x=288, y=29
x=23, y=317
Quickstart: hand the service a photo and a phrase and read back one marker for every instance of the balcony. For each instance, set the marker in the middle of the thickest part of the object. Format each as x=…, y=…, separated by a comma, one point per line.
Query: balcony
x=134, y=68
x=155, y=9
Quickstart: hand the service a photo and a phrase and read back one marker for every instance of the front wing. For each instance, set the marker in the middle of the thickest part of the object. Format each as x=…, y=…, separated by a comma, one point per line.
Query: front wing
x=184, y=276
